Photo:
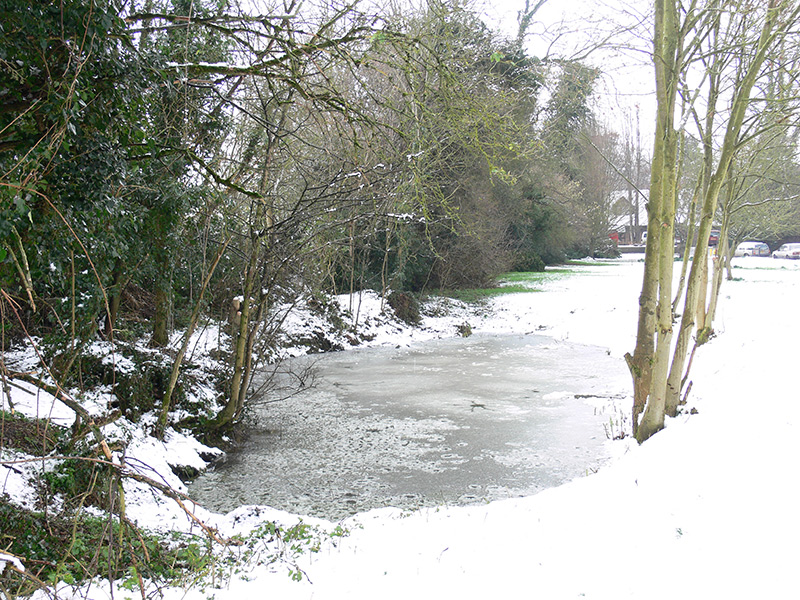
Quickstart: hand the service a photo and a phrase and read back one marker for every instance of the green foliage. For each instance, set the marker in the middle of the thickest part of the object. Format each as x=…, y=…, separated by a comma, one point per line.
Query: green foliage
x=141, y=391
x=78, y=482
x=539, y=226
x=291, y=542
x=37, y=437
x=568, y=113
x=466, y=103
x=55, y=549
x=528, y=261
x=60, y=151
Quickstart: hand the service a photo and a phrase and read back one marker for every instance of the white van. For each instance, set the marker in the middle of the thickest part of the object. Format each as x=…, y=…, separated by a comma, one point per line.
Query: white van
x=751, y=249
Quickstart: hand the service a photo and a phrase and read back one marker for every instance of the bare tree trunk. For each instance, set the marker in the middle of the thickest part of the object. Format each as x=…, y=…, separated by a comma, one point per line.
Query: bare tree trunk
x=720, y=261
x=160, y=330
x=694, y=301
x=687, y=251
x=260, y=226
x=696, y=290
x=652, y=307
x=666, y=49
x=653, y=417
x=115, y=299
x=258, y=321
x=166, y=403
x=232, y=408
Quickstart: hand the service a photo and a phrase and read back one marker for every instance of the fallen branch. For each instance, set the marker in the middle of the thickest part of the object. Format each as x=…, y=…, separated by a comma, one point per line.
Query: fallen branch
x=128, y=472
x=81, y=413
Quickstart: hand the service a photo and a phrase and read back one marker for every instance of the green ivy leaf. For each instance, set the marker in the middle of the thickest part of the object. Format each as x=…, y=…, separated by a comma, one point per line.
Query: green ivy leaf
x=21, y=205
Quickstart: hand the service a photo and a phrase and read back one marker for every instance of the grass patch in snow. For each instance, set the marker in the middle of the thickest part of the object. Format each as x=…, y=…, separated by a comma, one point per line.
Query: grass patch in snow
x=533, y=280
x=535, y=276
x=591, y=263
x=475, y=295
x=517, y=282
x=767, y=266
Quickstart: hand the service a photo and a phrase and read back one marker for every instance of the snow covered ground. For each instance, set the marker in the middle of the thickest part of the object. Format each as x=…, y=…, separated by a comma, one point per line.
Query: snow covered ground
x=705, y=509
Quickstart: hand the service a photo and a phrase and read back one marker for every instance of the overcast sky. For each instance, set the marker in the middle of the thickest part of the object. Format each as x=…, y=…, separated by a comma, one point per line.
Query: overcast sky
x=595, y=32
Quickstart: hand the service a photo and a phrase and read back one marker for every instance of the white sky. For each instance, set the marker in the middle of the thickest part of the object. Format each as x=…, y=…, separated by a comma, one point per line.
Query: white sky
x=570, y=28
x=574, y=29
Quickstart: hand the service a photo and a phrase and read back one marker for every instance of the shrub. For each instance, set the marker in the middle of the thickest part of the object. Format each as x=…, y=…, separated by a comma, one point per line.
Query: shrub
x=406, y=307
x=528, y=262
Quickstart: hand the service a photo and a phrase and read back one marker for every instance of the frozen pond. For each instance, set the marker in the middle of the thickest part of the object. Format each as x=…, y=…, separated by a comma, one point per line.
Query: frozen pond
x=455, y=421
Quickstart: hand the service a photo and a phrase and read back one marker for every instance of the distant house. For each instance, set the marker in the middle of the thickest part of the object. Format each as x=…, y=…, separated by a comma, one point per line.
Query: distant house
x=628, y=216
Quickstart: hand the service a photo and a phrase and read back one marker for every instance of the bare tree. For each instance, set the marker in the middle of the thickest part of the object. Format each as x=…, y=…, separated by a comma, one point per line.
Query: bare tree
x=681, y=34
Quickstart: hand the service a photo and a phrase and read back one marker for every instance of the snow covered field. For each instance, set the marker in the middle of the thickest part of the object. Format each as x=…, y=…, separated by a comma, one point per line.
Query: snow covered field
x=705, y=509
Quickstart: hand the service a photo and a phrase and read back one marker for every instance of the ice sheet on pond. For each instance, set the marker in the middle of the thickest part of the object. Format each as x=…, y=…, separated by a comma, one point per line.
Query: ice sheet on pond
x=457, y=421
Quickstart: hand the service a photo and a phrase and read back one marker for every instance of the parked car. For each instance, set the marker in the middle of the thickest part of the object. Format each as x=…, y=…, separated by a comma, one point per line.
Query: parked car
x=713, y=238
x=787, y=251
x=751, y=249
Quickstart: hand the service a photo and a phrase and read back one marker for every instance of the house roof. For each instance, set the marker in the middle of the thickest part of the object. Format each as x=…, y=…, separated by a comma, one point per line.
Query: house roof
x=623, y=208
